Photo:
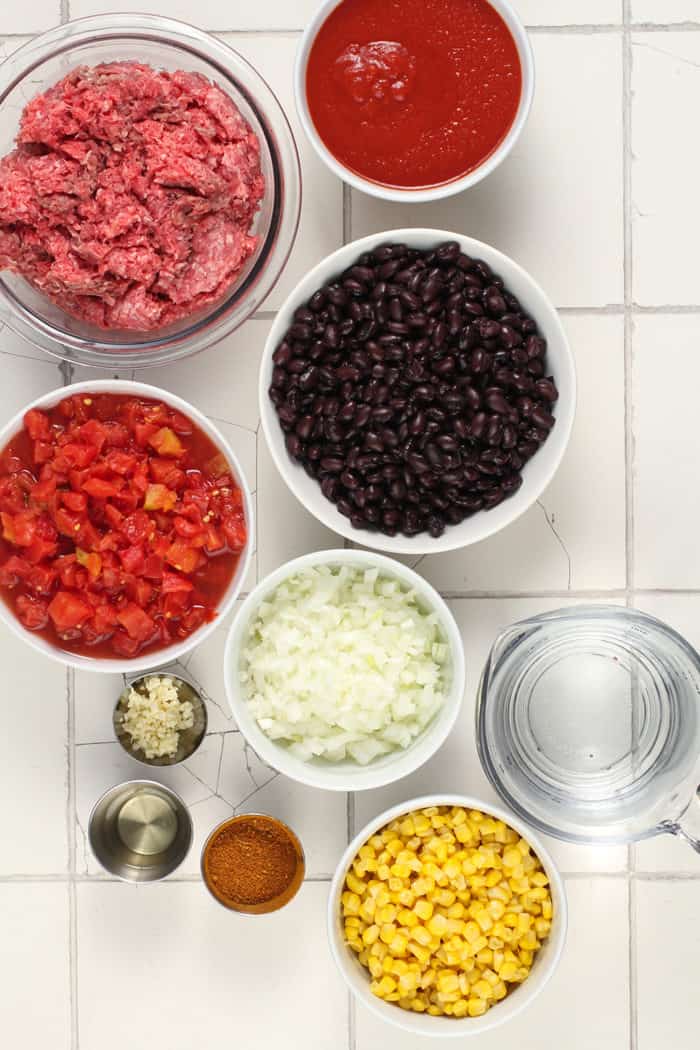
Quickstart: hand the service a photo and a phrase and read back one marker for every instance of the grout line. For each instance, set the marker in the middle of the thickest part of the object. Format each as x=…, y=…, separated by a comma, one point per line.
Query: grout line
x=499, y=595
x=102, y=877
x=609, y=310
x=632, y=962
x=352, y=1022
x=347, y=213
x=65, y=11
x=628, y=257
x=72, y=896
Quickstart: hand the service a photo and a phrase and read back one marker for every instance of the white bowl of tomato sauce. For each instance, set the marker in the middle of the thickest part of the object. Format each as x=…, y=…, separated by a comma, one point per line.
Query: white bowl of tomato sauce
x=126, y=526
x=411, y=101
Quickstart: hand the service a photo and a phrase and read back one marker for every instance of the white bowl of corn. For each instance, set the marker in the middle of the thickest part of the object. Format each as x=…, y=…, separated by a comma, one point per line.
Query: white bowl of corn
x=446, y=916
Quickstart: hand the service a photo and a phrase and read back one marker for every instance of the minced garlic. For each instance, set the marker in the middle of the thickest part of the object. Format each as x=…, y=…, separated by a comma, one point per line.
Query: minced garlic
x=155, y=717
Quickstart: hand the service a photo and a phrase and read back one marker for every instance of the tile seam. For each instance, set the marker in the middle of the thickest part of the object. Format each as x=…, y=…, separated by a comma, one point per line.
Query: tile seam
x=99, y=878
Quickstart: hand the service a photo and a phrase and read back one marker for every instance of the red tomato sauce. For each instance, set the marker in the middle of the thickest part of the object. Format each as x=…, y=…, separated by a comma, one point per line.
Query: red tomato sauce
x=413, y=93
x=121, y=525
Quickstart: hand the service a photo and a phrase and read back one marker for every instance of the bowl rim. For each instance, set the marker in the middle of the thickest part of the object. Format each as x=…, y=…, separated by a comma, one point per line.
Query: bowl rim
x=429, y=193
x=148, y=349
x=466, y=1026
x=482, y=525
x=156, y=659
x=356, y=778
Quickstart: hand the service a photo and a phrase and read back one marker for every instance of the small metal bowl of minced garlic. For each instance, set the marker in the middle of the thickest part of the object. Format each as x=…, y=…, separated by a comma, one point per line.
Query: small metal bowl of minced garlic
x=160, y=718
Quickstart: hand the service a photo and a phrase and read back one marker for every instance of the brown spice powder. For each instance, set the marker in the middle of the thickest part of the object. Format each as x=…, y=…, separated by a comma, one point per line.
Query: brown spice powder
x=251, y=861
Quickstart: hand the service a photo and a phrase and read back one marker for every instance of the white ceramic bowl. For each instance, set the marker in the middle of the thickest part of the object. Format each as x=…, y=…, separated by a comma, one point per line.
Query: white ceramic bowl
x=537, y=473
x=432, y=193
x=161, y=656
x=357, y=978
x=348, y=775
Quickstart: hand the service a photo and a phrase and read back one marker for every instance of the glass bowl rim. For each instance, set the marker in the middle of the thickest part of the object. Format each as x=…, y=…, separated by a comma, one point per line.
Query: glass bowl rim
x=230, y=313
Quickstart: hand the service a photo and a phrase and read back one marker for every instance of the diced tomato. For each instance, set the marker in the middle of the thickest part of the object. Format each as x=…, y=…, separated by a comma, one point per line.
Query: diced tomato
x=113, y=515
x=136, y=622
x=43, y=452
x=137, y=526
x=167, y=473
x=143, y=432
x=11, y=495
x=41, y=579
x=166, y=443
x=133, y=559
x=68, y=610
x=153, y=567
x=123, y=645
x=90, y=561
x=159, y=497
x=13, y=571
x=182, y=557
x=19, y=529
x=32, y=612
x=235, y=533
x=214, y=540
x=173, y=583
x=109, y=506
x=187, y=528
x=75, y=501
x=77, y=456
x=37, y=424
x=100, y=489
x=121, y=462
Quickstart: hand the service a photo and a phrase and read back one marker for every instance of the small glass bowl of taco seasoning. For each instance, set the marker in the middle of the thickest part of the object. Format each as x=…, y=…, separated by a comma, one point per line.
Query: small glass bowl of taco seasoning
x=253, y=864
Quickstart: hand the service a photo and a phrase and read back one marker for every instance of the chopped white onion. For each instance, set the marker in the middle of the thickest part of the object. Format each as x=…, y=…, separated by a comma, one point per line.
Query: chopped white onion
x=340, y=662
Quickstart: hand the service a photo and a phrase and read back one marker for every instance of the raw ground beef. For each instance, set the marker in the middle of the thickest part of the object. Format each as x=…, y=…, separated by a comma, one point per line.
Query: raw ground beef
x=130, y=196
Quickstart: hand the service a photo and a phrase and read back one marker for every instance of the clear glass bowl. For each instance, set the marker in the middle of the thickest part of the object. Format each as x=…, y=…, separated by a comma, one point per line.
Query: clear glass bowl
x=164, y=44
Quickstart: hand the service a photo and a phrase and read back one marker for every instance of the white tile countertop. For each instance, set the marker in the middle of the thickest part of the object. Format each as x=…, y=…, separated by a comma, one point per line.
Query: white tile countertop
x=599, y=202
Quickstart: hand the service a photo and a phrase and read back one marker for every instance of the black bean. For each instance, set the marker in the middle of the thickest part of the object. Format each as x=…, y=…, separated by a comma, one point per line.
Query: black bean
x=413, y=388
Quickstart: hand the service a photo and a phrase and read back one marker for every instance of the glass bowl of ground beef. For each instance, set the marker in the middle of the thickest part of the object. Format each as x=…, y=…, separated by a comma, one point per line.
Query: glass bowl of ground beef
x=149, y=190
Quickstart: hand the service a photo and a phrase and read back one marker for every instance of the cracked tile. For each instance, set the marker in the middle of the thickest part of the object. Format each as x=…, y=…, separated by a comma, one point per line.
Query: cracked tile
x=318, y=817
x=242, y=773
x=665, y=219
x=234, y=362
x=456, y=766
x=570, y=544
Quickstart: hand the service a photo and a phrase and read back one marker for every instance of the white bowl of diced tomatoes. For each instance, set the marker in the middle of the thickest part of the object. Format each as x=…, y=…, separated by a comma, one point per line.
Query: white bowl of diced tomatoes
x=126, y=526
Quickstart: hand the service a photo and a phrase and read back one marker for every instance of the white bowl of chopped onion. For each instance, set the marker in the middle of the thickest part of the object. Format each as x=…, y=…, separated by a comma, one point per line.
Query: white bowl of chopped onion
x=344, y=670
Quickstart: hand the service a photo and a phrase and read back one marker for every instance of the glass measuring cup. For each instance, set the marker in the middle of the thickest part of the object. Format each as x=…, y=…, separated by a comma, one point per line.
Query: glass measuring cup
x=588, y=725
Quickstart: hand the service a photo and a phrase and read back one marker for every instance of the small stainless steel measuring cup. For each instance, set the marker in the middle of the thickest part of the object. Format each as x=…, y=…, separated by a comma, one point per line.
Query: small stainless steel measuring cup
x=588, y=725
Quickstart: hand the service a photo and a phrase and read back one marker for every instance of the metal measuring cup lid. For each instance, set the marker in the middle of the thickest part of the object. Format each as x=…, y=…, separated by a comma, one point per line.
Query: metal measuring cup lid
x=189, y=739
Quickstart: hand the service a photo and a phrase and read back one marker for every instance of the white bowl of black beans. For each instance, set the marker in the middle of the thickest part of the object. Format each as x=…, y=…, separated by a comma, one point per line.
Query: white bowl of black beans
x=417, y=391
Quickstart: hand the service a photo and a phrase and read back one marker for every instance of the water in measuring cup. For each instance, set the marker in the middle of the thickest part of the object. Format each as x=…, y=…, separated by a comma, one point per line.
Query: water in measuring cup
x=589, y=721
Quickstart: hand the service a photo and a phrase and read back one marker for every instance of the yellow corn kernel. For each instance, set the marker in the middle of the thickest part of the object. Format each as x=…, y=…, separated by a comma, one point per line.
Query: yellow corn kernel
x=398, y=945
x=496, y=909
x=407, y=917
x=386, y=932
x=484, y=957
x=407, y=827
x=384, y=987
x=437, y=925
x=507, y=971
x=423, y=908
x=482, y=988
x=421, y=935
x=484, y=921
x=384, y=872
x=421, y=953
x=493, y=878
x=386, y=914
x=371, y=934
x=375, y=967
x=476, y=1007
x=351, y=903
x=355, y=884
x=444, y=898
x=460, y=1008
x=547, y=909
x=423, y=885
x=406, y=897
x=400, y=871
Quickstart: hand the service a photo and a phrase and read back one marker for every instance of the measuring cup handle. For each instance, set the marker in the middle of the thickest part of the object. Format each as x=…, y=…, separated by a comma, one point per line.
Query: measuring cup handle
x=688, y=824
